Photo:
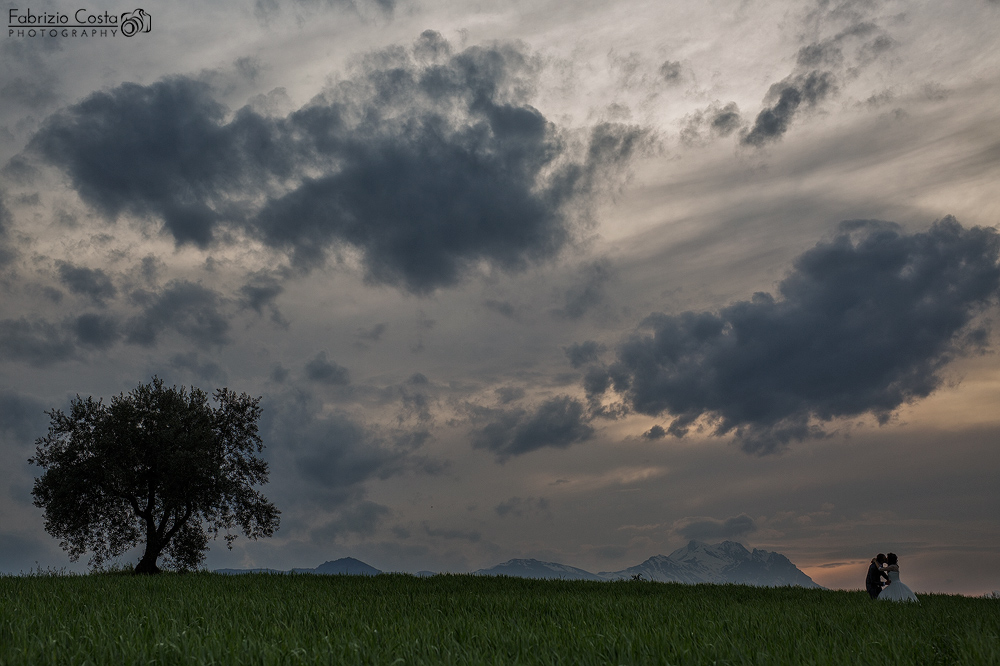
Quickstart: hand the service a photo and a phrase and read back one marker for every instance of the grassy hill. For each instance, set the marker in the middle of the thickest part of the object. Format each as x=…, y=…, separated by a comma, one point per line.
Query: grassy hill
x=399, y=619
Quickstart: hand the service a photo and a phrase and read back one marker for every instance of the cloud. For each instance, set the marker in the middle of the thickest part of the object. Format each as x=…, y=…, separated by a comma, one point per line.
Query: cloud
x=362, y=518
x=209, y=371
x=194, y=311
x=772, y=122
x=22, y=417
x=92, y=282
x=429, y=163
x=472, y=536
x=703, y=529
x=373, y=334
x=260, y=290
x=670, y=70
x=163, y=151
x=559, y=422
x=583, y=353
x=503, y=308
x=96, y=330
x=862, y=324
x=588, y=291
x=38, y=343
x=654, y=433
x=327, y=372
x=7, y=253
x=519, y=506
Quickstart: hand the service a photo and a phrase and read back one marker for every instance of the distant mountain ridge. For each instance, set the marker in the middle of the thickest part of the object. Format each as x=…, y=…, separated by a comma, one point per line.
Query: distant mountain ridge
x=697, y=562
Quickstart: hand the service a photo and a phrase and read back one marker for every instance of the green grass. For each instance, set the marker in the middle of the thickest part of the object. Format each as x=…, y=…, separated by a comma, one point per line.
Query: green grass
x=397, y=619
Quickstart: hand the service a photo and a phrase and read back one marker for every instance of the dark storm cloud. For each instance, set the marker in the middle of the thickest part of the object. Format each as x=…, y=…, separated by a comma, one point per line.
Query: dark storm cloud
x=818, y=66
x=503, y=308
x=584, y=353
x=7, y=253
x=426, y=161
x=38, y=343
x=471, y=536
x=162, y=150
x=21, y=417
x=373, y=334
x=332, y=453
x=92, y=282
x=558, y=422
x=327, y=372
x=361, y=518
x=96, y=330
x=519, y=506
x=188, y=308
x=588, y=290
x=654, y=433
x=704, y=529
x=260, y=291
x=773, y=121
x=861, y=325
x=209, y=371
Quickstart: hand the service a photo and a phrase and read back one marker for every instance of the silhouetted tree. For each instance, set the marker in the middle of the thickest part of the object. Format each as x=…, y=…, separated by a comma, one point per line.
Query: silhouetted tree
x=159, y=466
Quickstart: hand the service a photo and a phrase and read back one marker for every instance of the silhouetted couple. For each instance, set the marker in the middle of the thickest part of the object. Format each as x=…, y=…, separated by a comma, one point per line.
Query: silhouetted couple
x=887, y=566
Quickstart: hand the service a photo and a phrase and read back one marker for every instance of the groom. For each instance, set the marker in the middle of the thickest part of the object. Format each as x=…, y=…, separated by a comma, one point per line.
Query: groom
x=874, y=580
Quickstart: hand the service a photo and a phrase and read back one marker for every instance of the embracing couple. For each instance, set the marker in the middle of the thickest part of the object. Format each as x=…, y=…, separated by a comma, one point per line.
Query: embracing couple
x=887, y=566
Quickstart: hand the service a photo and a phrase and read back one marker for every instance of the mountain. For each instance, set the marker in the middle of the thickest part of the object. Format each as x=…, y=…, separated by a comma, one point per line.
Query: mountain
x=537, y=569
x=697, y=562
x=726, y=562
x=345, y=565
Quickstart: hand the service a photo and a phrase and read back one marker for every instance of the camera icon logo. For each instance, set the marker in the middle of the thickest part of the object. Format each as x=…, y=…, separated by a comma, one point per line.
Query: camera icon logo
x=135, y=22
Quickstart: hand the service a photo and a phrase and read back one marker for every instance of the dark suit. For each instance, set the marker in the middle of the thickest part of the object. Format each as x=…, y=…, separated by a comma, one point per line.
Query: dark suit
x=873, y=583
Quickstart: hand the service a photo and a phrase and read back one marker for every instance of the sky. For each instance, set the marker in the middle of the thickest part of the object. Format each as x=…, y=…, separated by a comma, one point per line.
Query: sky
x=578, y=282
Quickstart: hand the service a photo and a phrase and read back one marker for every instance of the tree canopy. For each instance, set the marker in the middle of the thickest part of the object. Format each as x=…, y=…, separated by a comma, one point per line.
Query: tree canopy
x=160, y=466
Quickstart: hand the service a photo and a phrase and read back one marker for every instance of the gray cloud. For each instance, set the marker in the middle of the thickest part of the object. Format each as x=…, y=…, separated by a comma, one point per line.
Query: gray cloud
x=38, y=342
x=373, y=334
x=7, y=253
x=92, y=282
x=260, y=291
x=472, y=536
x=588, y=291
x=584, y=353
x=209, y=371
x=670, y=70
x=772, y=122
x=319, y=369
x=330, y=452
x=558, y=422
x=96, y=330
x=22, y=417
x=162, y=150
x=519, y=506
x=194, y=311
x=656, y=432
x=362, y=518
x=862, y=324
x=426, y=161
x=712, y=528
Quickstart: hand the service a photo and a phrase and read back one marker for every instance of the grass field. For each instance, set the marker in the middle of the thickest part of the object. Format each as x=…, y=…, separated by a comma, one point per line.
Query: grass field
x=398, y=619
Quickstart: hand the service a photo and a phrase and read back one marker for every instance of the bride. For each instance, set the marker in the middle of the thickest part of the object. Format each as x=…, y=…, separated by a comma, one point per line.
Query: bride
x=895, y=590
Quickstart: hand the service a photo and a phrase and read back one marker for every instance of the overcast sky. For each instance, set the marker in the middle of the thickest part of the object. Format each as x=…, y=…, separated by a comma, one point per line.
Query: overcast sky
x=572, y=281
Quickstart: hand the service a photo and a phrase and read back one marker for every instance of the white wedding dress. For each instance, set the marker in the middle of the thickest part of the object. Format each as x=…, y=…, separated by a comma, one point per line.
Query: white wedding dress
x=896, y=590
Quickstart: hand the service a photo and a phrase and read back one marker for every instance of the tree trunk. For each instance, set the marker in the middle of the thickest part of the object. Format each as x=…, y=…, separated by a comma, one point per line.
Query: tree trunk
x=147, y=565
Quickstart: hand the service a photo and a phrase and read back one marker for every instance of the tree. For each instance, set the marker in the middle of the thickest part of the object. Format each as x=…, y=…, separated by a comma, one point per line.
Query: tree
x=159, y=466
